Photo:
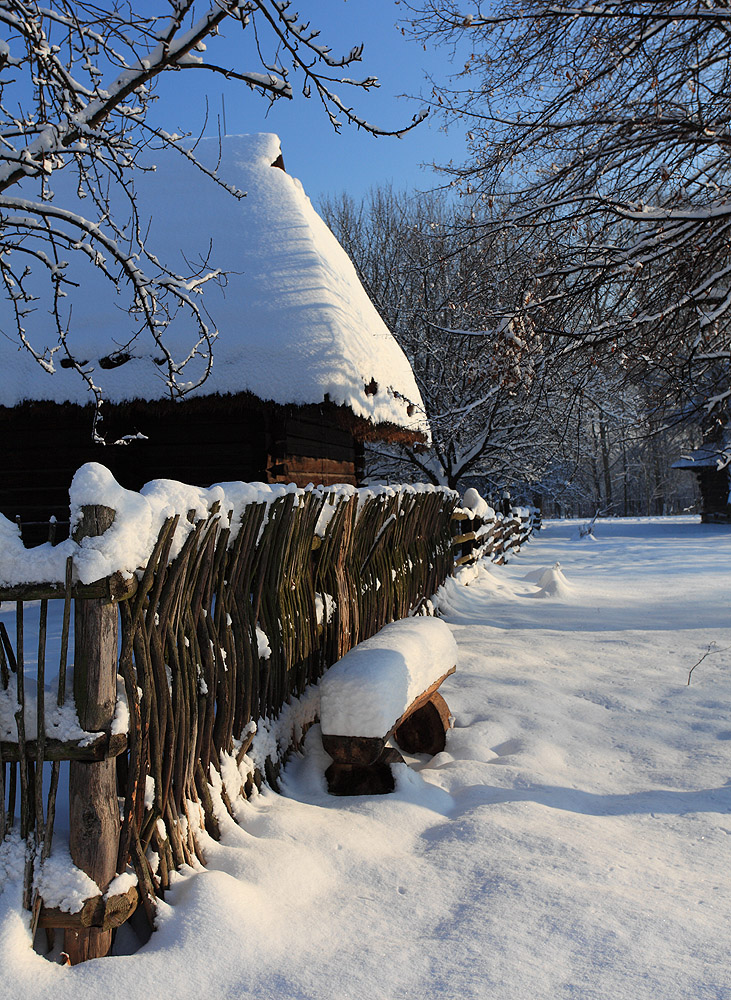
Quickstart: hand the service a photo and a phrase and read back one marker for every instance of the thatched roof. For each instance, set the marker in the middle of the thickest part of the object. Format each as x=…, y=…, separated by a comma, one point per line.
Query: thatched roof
x=295, y=325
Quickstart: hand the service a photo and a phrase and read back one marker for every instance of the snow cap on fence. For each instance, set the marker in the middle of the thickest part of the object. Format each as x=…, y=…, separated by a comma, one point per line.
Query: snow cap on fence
x=19, y=565
x=474, y=503
x=127, y=545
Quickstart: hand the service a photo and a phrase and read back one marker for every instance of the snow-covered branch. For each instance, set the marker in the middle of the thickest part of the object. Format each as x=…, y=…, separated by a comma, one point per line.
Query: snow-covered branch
x=600, y=135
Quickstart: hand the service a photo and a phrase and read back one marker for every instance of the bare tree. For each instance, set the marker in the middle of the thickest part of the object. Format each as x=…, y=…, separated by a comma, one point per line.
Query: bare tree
x=571, y=428
x=77, y=83
x=606, y=126
x=495, y=405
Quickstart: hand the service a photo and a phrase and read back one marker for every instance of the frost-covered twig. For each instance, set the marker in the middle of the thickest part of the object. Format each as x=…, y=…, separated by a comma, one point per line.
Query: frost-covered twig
x=600, y=133
x=588, y=528
x=711, y=651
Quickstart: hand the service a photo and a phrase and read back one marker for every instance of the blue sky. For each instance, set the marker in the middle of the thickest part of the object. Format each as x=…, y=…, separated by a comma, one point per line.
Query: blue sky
x=327, y=162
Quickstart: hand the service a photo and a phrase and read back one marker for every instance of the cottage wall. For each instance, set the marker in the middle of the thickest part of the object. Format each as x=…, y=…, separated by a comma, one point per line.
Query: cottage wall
x=307, y=447
x=199, y=441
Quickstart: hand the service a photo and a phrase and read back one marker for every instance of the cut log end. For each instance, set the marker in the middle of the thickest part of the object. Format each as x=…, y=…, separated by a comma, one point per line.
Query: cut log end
x=96, y=913
x=425, y=731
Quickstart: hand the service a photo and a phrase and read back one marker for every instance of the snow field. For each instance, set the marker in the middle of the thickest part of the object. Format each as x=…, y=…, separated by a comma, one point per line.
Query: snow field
x=571, y=842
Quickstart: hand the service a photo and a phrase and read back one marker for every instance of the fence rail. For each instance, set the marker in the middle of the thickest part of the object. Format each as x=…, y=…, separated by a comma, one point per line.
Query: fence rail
x=246, y=616
x=491, y=535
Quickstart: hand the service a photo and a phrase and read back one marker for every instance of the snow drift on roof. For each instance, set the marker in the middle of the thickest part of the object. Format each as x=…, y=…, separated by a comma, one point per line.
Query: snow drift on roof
x=294, y=323
x=708, y=456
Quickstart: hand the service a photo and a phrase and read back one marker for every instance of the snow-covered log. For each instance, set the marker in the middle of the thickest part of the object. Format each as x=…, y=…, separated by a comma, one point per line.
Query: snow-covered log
x=384, y=686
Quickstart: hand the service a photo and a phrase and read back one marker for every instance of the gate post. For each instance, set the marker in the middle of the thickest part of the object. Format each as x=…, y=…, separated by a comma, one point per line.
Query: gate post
x=93, y=806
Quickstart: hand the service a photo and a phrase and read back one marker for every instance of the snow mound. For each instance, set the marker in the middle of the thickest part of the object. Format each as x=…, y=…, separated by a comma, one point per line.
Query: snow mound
x=476, y=505
x=467, y=574
x=367, y=690
x=585, y=536
x=552, y=582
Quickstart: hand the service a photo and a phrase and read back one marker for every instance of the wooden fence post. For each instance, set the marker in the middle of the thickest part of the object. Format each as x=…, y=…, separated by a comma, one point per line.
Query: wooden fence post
x=93, y=807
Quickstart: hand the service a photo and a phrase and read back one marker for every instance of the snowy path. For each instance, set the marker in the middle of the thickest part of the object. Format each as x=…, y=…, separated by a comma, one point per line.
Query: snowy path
x=573, y=842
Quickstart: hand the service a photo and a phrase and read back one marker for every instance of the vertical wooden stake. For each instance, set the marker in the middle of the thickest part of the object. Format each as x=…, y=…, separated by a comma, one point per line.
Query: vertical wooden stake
x=93, y=807
x=60, y=700
x=3, y=827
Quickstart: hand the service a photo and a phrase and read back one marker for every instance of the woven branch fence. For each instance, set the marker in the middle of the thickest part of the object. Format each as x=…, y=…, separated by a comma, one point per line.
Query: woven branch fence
x=308, y=576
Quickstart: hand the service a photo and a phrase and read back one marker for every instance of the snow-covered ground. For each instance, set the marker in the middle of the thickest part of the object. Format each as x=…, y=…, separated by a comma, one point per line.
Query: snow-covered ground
x=572, y=842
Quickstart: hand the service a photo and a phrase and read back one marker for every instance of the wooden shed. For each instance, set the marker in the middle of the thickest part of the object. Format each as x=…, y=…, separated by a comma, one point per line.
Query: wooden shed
x=305, y=371
x=710, y=464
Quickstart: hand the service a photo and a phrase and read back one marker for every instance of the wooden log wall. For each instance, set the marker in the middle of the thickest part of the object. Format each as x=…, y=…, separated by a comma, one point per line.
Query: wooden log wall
x=209, y=439
x=194, y=676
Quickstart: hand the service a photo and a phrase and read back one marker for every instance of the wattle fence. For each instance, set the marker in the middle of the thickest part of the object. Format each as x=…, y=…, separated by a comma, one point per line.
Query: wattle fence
x=194, y=674
x=482, y=533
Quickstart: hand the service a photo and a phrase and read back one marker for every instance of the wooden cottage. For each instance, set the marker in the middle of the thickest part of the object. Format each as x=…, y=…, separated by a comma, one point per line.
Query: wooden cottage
x=710, y=464
x=304, y=371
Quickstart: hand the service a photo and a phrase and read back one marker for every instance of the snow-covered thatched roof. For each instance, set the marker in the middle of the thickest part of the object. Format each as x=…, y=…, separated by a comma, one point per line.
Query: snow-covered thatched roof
x=294, y=323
